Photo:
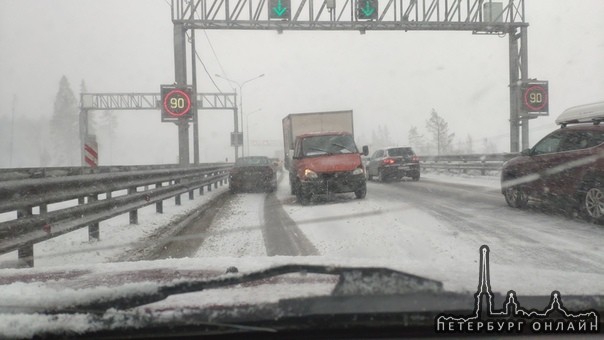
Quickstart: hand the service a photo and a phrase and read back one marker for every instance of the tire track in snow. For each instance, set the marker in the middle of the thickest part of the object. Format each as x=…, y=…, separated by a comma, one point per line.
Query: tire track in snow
x=281, y=234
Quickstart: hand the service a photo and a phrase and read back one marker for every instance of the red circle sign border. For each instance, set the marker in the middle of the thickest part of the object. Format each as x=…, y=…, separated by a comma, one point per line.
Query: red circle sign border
x=528, y=90
x=182, y=93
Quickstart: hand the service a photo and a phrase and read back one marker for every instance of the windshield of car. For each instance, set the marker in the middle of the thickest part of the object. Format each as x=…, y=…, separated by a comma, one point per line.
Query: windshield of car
x=320, y=145
x=253, y=165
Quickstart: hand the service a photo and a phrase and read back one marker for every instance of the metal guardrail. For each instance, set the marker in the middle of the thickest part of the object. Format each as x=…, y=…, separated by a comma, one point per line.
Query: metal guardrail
x=23, y=173
x=463, y=163
x=97, y=194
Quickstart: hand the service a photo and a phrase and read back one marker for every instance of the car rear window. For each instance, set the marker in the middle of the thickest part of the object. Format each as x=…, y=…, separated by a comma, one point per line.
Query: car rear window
x=400, y=152
x=251, y=161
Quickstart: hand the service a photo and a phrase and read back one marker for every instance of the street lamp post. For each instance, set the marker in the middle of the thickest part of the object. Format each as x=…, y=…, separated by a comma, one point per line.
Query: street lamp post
x=247, y=130
x=240, y=85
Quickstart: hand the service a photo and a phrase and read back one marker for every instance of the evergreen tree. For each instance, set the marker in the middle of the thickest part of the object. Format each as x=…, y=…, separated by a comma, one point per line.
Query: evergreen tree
x=439, y=129
x=64, y=127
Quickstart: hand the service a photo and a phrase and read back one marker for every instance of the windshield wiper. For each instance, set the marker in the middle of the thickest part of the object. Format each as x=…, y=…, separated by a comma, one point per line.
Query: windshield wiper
x=343, y=147
x=318, y=149
x=353, y=281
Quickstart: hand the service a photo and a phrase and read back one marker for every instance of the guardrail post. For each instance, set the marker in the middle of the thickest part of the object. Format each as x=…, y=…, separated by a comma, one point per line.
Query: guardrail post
x=133, y=213
x=177, y=197
x=209, y=187
x=216, y=184
x=24, y=212
x=201, y=190
x=191, y=195
x=483, y=171
x=26, y=255
x=159, y=206
x=93, y=229
x=81, y=200
x=43, y=208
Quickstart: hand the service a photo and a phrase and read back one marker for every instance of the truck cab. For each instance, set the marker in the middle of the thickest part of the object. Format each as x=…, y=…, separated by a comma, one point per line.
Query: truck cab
x=326, y=162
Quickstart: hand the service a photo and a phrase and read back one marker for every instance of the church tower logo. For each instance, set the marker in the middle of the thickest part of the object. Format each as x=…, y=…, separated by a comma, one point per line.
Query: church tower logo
x=513, y=318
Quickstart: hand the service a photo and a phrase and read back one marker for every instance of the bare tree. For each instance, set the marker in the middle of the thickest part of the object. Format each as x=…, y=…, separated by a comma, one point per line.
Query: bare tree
x=381, y=139
x=439, y=129
x=488, y=146
x=418, y=142
x=469, y=144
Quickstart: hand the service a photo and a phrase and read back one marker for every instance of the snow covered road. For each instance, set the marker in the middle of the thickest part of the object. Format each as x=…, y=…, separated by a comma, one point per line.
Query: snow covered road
x=433, y=227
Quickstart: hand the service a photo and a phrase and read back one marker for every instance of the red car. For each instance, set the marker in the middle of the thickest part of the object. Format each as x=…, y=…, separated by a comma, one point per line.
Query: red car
x=566, y=167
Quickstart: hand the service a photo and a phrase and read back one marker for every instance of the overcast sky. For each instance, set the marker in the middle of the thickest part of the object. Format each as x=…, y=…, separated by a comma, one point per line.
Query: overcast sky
x=387, y=78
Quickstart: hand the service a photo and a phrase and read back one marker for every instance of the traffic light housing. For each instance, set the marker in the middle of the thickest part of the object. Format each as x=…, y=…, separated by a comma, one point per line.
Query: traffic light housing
x=279, y=9
x=367, y=9
x=177, y=102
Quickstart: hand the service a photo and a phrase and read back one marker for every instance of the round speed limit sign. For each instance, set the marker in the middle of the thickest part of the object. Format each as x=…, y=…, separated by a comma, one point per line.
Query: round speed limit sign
x=177, y=103
x=535, y=98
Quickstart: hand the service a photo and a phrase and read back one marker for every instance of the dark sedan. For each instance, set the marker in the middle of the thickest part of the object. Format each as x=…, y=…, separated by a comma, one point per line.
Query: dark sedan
x=252, y=173
x=393, y=164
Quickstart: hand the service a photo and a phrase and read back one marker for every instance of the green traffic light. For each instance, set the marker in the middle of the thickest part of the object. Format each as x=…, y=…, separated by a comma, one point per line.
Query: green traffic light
x=279, y=10
x=368, y=9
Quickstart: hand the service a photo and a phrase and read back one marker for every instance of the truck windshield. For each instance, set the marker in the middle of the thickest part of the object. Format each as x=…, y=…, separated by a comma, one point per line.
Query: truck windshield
x=321, y=145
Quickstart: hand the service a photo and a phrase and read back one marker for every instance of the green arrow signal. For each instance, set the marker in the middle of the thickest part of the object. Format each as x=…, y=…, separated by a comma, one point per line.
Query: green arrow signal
x=279, y=10
x=368, y=10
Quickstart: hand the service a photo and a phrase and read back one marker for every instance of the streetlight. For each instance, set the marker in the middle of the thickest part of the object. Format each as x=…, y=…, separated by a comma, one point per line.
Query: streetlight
x=240, y=85
x=247, y=129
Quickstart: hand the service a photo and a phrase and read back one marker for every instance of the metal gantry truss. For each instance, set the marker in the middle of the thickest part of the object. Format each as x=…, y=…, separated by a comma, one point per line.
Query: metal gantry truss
x=151, y=101
x=480, y=16
x=477, y=16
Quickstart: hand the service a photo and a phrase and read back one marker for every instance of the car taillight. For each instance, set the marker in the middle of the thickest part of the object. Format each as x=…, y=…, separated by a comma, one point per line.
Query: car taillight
x=388, y=161
x=415, y=158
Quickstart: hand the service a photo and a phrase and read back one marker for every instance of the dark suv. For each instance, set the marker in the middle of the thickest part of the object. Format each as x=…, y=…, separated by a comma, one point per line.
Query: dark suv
x=565, y=167
x=393, y=164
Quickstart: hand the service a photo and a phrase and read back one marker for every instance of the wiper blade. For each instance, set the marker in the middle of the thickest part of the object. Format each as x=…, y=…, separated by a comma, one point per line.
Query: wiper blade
x=352, y=281
x=318, y=149
x=343, y=147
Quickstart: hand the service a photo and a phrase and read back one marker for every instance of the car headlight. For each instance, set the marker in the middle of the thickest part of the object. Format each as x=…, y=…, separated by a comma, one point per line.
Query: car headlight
x=358, y=171
x=310, y=174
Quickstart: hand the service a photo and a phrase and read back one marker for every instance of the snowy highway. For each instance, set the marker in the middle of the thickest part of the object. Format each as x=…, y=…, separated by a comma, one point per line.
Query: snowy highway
x=433, y=226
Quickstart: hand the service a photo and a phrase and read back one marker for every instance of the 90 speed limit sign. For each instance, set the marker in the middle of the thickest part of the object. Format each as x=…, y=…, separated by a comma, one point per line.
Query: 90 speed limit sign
x=535, y=98
x=176, y=102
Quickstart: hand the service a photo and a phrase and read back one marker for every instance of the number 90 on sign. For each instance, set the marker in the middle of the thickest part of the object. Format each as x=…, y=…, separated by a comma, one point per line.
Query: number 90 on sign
x=177, y=103
x=535, y=98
